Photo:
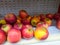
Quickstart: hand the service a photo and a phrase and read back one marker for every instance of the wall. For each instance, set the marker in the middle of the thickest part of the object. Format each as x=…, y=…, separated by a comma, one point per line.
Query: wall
x=31, y=6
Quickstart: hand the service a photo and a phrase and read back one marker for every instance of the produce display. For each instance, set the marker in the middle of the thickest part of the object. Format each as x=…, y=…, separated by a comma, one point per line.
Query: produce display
x=14, y=28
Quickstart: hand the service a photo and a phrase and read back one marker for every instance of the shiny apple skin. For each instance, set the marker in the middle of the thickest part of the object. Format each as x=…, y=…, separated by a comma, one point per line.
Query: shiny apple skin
x=10, y=18
x=27, y=32
x=13, y=35
x=41, y=33
x=23, y=14
x=2, y=37
x=58, y=24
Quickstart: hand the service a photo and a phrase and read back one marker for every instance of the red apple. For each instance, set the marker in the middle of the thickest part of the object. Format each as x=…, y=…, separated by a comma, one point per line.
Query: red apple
x=6, y=27
x=18, y=26
x=27, y=32
x=56, y=16
x=41, y=33
x=49, y=15
x=13, y=35
x=58, y=24
x=0, y=25
x=2, y=36
x=42, y=24
x=10, y=18
x=26, y=20
x=23, y=14
x=42, y=16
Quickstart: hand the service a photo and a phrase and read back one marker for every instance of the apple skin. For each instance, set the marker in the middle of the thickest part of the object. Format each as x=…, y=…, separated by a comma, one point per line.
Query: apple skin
x=58, y=24
x=41, y=33
x=6, y=27
x=18, y=26
x=10, y=18
x=34, y=21
x=42, y=16
x=48, y=21
x=2, y=36
x=0, y=25
x=49, y=15
x=42, y=24
x=2, y=22
x=18, y=19
x=23, y=14
x=14, y=35
x=26, y=21
x=27, y=32
x=56, y=16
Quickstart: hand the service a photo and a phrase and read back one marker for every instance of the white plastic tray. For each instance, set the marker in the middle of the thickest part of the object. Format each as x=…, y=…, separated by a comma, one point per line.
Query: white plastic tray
x=54, y=35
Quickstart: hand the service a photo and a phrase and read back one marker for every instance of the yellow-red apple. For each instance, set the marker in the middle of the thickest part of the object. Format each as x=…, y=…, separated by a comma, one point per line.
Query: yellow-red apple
x=41, y=33
x=48, y=21
x=35, y=20
x=6, y=27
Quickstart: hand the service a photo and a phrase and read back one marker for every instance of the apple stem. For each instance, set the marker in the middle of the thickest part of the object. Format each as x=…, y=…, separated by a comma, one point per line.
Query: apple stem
x=29, y=29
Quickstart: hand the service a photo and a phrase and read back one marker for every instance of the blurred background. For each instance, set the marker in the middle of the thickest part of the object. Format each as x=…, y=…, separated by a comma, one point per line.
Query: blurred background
x=33, y=7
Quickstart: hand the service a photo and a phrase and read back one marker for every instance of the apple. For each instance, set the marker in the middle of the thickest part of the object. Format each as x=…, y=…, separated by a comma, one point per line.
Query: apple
x=18, y=26
x=35, y=20
x=23, y=14
x=13, y=35
x=48, y=21
x=42, y=24
x=41, y=33
x=26, y=20
x=58, y=24
x=38, y=16
x=49, y=15
x=2, y=21
x=2, y=36
x=27, y=32
x=56, y=16
x=42, y=16
x=10, y=18
x=18, y=19
x=6, y=27
x=0, y=25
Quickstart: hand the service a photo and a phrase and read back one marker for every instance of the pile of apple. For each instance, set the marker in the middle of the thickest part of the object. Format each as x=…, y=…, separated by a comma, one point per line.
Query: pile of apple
x=13, y=28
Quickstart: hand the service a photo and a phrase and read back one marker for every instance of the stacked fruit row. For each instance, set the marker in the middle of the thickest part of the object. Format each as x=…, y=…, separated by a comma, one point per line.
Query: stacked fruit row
x=13, y=28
